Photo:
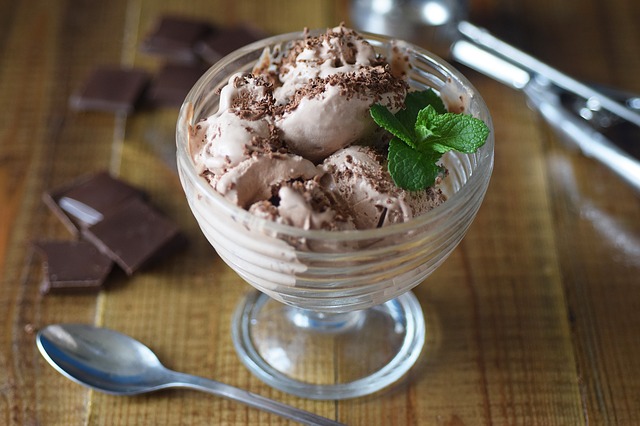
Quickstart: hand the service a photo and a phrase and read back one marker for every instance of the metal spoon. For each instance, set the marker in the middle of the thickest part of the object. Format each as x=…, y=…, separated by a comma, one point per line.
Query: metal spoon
x=114, y=363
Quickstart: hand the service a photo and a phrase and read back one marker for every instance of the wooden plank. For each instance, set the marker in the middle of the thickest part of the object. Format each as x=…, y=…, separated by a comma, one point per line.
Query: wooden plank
x=596, y=216
x=47, y=52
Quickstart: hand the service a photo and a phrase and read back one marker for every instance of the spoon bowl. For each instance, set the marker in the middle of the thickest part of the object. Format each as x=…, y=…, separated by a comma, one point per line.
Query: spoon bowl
x=102, y=359
x=114, y=363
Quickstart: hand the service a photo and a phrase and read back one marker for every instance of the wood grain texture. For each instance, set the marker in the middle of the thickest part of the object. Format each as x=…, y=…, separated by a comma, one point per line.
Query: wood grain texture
x=533, y=320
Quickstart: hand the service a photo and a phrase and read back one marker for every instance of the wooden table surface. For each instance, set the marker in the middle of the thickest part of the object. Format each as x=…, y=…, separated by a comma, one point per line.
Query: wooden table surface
x=533, y=320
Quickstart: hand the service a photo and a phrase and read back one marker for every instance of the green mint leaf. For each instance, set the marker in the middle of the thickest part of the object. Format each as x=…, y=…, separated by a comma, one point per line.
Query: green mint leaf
x=416, y=101
x=411, y=169
x=423, y=131
x=449, y=131
x=426, y=125
x=385, y=119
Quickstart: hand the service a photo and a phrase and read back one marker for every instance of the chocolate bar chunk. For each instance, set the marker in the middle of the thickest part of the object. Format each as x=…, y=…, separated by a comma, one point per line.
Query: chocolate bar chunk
x=87, y=200
x=72, y=265
x=172, y=84
x=111, y=89
x=134, y=235
x=224, y=41
x=174, y=38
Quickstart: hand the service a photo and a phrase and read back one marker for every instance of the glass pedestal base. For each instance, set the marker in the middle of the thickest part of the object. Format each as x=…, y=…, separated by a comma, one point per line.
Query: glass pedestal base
x=327, y=355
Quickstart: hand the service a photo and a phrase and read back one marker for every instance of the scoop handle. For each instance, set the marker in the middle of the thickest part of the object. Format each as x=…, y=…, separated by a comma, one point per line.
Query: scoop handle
x=494, y=49
x=590, y=142
x=251, y=399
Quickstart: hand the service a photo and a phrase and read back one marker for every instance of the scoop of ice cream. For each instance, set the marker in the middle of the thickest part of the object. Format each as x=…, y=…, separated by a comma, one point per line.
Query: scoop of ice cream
x=241, y=126
x=305, y=205
x=332, y=112
x=226, y=140
x=326, y=87
x=359, y=175
x=249, y=96
x=254, y=178
x=338, y=51
x=240, y=151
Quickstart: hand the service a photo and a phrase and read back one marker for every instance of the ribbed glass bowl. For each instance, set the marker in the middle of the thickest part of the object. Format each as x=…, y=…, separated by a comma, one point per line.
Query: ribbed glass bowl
x=335, y=281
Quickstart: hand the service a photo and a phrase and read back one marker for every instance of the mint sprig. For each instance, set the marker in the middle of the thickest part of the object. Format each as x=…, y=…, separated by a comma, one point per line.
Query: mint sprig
x=422, y=132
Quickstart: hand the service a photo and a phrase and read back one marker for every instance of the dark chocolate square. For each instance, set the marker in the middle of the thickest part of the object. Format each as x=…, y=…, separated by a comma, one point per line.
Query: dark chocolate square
x=224, y=41
x=172, y=83
x=72, y=265
x=87, y=200
x=111, y=89
x=174, y=37
x=134, y=235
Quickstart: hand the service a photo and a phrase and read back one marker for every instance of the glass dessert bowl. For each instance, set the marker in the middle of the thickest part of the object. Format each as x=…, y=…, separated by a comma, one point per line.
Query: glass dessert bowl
x=333, y=316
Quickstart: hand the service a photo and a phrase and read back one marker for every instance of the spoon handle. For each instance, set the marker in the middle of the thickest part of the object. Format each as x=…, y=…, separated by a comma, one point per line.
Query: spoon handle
x=253, y=400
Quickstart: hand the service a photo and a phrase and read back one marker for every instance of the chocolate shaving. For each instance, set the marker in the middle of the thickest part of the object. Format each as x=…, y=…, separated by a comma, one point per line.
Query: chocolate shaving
x=245, y=105
x=368, y=84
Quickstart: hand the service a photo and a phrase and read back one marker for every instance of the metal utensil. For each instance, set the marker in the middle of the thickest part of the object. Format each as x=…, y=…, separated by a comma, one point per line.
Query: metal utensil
x=591, y=142
x=471, y=45
x=114, y=363
x=483, y=40
x=591, y=110
x=445, y=24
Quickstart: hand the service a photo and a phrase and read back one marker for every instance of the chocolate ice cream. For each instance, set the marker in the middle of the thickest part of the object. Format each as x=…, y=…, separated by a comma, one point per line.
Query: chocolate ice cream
x=294, y=142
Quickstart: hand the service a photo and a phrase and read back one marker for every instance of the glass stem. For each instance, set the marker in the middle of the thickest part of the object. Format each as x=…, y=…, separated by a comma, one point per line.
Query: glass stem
x=325, y=322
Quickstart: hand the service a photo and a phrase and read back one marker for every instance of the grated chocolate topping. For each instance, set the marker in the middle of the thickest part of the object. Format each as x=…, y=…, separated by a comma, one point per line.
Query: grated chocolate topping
x=245, y=105
x=366, y=83
x=341, y=47
x=271, y=145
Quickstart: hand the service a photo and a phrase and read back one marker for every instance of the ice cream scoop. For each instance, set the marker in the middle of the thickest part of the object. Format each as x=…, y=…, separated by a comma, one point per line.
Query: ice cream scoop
x=345, y=114
x=442, y=25
x=451, y=35
x=327, y=86
x=359, y=175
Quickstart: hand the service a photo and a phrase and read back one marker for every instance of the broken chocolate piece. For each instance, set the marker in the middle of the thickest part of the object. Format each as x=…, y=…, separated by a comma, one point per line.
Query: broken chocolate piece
x=224, y=41
x=134, y=235
x=87, y=200
x=174, y=37
x=111, y=89
x=72, y=265
x=172, y=84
